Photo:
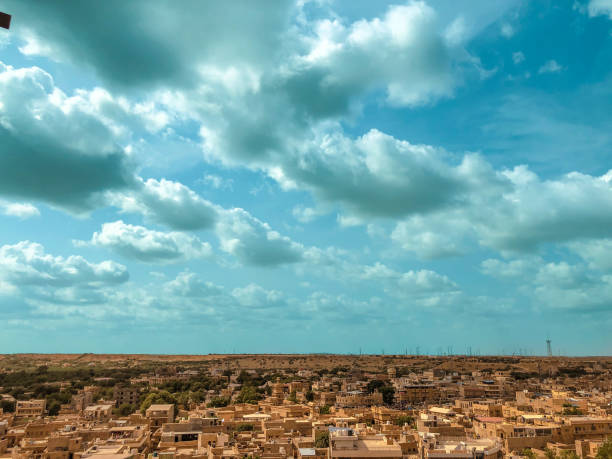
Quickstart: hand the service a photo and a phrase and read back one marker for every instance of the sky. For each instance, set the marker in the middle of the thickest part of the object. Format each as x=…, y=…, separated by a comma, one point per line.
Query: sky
x=347, y=176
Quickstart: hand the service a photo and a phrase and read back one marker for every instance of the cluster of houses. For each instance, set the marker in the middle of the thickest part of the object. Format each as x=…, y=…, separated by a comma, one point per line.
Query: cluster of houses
x=424, y=414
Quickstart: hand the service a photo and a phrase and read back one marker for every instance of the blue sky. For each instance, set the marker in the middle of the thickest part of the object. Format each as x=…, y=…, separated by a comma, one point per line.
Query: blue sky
x=318, y=176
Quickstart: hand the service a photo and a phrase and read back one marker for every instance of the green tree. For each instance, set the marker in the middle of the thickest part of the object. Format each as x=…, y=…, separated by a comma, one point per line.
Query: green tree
x=54, y=408
x=309, y=396
x=244, y=427
x=182, y=398
x=550, y=454
x=198, y=396
x=374, y=385
x=125, y=409
x=292, y=397
x=404, y=419
x=527, y=452
x=322, y=439
x=247, y=394
x=162, y=397
x=325, y=409
x=8, y=406
x=568, y=454
x=388, y=394
x=217, y=402
x=572, y=411
x=605, y=450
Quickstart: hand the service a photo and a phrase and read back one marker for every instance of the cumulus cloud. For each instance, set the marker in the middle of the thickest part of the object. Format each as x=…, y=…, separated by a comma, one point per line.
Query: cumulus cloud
x=597, y=252
x=551, y=66
x=274, y=117
x=428, y=289
x=308, y=214
x=571, y=207
x=572, y=287
x=276, y=102
x=419, y=288
x=253, y=242
x=167, y=202
x=426, y=281
x=26, y=263
x=237, y=100
x=189, y=285
x=27, y=270
x=436, y=236
x=21, y=210
x=63, y=156
x=151, y=46
x=507, y=30
x=76, y=164
x=555, y=285
x=150, y=246
x=255, y=296
x=66, y=151
x=518, y=57
x=516, y=212
x=515, y=269
x=413, y=65
x=600, y=7
x=378, y=175
x=403, y=52
x=218, y=182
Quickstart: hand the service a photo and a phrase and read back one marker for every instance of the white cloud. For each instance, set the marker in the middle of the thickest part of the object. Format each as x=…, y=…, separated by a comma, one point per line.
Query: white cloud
x=507, y=30
x=425, y=281
x=149, y=58
x=38, y=276
x=436, y=236
x=551, y=66
x=554, y=286
x=167, y=202
x=600, y=7
x=189, y=285
x=571, y=207
x=50, y=152
x=287, y=109
x=253, y=242
x=26, y=263
x=150, y=246
x=308, y=214
x=218, y=182
x=378, y=175
x=519, y=268
x=514, y=210
x=597, y=252
x=403, y=52
x=572, y=287
x=421, y=287
x=21, y=210
x=457, y=32
x=254, y=296
x=518, y=57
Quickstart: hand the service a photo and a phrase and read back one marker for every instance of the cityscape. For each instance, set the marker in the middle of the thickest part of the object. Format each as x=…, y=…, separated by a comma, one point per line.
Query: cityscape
x=307, y=229
x=304, y=406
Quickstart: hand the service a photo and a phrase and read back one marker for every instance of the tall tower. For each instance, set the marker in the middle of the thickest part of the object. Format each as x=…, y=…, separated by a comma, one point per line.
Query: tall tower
x=548, y=348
